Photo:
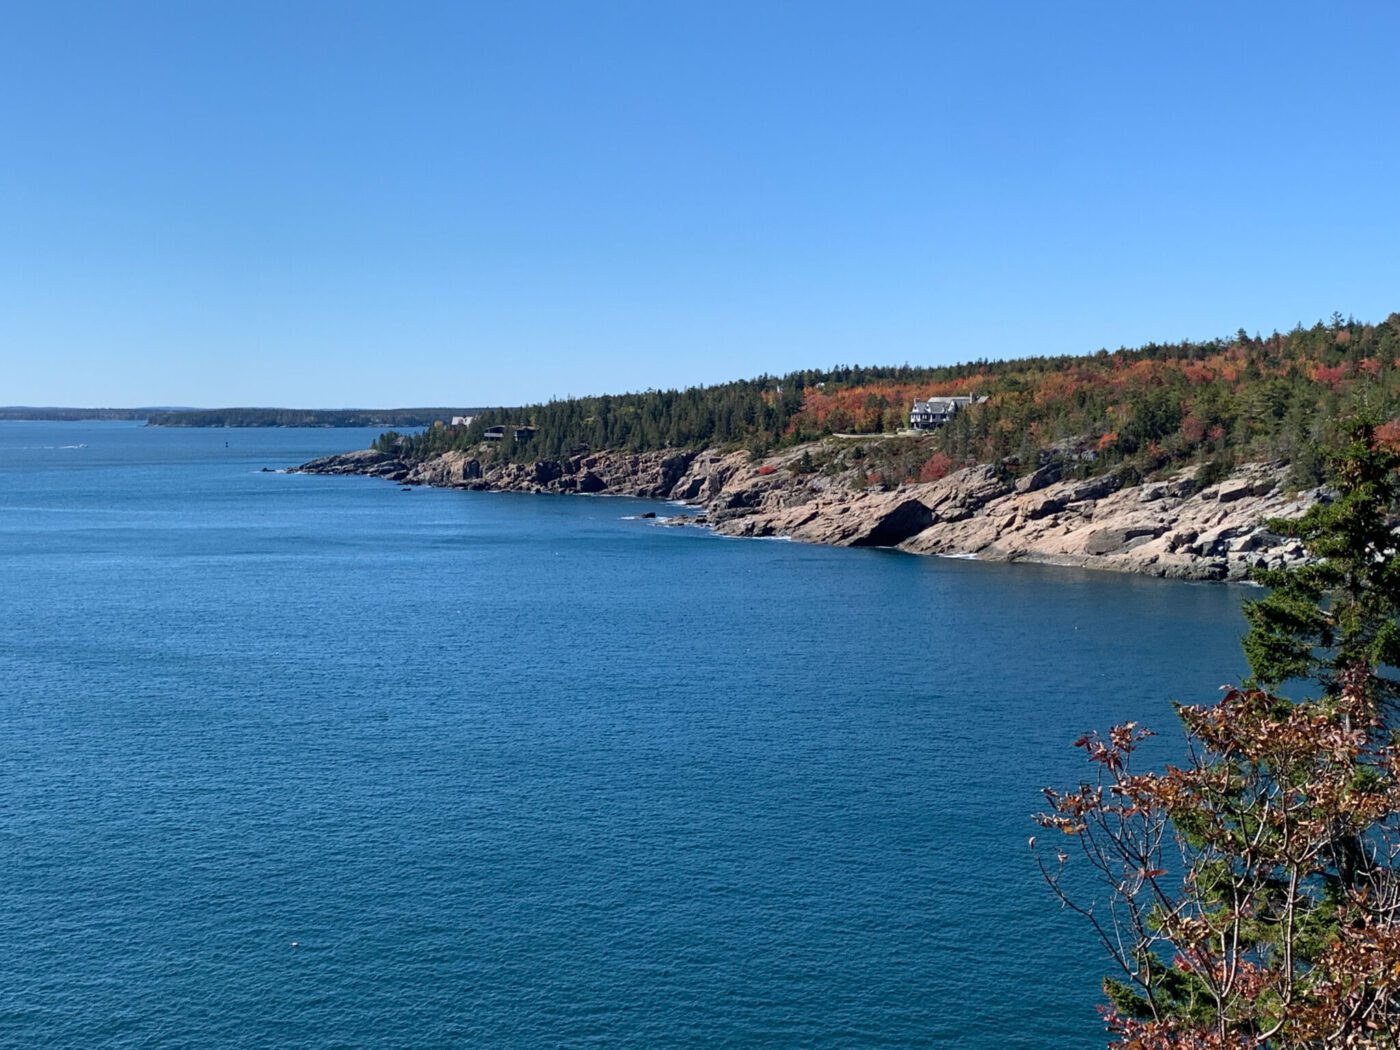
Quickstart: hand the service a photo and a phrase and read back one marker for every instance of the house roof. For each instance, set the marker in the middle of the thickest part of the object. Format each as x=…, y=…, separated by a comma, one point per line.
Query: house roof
x=946, y=404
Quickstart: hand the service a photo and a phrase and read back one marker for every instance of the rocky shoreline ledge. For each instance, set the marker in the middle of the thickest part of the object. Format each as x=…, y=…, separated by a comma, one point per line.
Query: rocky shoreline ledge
x=1159, y=528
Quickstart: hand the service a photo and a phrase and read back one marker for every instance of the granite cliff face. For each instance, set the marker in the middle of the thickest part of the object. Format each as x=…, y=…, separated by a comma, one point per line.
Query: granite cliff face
x=1162, y=528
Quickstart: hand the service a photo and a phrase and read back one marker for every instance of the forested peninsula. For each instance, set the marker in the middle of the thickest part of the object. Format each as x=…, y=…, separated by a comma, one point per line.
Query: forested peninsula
x=73, y=415
x=307, y=417
x=1164, y=459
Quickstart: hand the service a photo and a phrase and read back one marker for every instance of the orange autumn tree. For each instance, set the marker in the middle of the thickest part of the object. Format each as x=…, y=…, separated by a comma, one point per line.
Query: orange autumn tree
x=1250, y=896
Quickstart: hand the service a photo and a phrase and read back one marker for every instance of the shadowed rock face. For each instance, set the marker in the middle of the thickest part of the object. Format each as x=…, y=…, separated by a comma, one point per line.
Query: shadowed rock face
x=1162, y=528
x=893, y=524
x=589, y=482
x=882, y=519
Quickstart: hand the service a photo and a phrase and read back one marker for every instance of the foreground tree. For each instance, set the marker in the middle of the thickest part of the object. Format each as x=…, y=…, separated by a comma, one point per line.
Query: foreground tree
x=1250, y=897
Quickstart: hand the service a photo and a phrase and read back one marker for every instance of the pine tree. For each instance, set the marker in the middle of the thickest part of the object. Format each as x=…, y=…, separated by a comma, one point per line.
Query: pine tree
x=1340, y=612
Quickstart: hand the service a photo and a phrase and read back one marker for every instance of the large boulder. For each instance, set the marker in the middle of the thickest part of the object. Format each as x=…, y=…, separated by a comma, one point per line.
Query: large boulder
x=1243, y=488
x=1107, y=541
x=1092, y=488
x=1038, y=479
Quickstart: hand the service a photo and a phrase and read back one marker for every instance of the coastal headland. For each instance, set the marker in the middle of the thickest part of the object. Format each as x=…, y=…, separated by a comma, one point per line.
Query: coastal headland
x=1173, y=527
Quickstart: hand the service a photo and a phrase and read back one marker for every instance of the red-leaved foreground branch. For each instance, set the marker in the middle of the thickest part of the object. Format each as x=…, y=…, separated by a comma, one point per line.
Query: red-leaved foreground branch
x=1250, y=897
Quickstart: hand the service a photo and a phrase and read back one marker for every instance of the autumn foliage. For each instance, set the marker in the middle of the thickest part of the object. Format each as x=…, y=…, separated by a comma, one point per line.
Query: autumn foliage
x=1243, y=397
x=1257, y=883
x=1388, y=435
x=936, y=467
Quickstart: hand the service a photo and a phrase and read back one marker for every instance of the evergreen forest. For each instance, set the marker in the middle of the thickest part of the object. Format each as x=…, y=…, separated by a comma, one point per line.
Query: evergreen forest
x=1215, y=402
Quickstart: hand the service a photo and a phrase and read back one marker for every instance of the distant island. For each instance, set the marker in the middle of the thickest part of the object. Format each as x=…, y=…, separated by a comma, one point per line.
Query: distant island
x=1165, y=459
x=167, y=416
x=310, y=417
x=52, y=414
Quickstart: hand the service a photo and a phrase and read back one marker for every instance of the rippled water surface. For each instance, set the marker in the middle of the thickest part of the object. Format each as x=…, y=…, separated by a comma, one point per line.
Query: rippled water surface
x=314, y=762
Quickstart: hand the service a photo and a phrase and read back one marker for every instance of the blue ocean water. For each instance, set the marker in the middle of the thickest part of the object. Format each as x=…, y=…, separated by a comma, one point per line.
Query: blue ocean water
x=314, y=762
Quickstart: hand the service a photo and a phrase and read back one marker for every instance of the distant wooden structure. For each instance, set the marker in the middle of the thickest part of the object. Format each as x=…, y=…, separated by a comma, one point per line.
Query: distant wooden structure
x=498, y=433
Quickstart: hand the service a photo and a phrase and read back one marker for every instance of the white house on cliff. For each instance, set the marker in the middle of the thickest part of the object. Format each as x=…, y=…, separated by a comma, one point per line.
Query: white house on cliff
x=927, y=415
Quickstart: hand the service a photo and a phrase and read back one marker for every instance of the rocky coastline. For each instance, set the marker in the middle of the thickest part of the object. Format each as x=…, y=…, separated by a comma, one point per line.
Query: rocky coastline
x=1168, y=527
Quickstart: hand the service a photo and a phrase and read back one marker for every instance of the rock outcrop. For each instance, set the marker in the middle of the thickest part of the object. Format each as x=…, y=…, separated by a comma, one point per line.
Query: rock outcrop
x=1163, y=527
x=365, y=461
x=650, y=475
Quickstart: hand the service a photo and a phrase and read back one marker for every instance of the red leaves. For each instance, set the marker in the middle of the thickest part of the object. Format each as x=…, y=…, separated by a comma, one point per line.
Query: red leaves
x=1255, y=823
x=861, y=408
x=1125, y=737
x=1171, y=1034
x=1330, y=375
x=1193, y=429
x=1387, y=436
x=1122, y=742
x=1064, y=825
x=936, y=467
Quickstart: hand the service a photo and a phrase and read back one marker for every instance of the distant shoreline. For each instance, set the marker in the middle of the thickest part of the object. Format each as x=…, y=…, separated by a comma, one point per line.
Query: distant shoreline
x=164, y=416
x=374, y=425
x=28, y=414
x=382, y=418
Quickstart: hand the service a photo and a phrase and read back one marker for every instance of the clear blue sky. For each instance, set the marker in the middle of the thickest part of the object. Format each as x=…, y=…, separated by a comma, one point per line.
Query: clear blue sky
x=407, y=203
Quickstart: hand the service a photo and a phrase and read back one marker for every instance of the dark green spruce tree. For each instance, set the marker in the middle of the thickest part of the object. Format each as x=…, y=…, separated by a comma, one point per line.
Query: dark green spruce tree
x=1338, y=615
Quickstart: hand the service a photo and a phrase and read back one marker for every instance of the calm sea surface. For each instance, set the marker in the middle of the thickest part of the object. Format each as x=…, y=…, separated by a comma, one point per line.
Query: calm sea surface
x=300, y=761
